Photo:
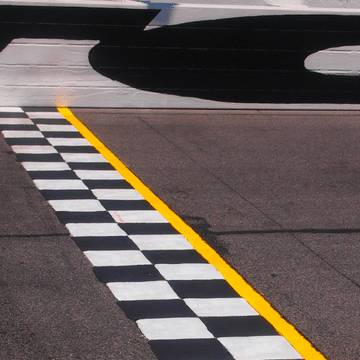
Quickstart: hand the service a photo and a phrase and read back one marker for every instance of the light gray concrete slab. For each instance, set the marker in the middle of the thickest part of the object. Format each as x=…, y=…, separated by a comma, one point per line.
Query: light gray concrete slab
x=124, y=3
x=48, y=72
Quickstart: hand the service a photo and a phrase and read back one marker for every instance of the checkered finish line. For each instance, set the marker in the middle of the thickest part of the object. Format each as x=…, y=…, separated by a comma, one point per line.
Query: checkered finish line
x=181, y=303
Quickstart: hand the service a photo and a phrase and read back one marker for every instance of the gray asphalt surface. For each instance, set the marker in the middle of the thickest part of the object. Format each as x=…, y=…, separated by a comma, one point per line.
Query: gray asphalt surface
x=52, y=306
x=275, y=193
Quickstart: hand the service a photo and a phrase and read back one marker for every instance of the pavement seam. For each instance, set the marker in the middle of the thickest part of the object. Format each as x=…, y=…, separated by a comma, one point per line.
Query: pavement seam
x=212, y=174
x=281, y=230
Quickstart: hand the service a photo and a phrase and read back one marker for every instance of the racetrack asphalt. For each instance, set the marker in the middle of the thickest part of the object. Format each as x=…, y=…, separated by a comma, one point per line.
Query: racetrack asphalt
x=52, y=305
x=275, y=193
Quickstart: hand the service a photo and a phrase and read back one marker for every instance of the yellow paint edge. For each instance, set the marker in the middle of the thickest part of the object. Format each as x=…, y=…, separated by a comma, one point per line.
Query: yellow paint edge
x=300, y=344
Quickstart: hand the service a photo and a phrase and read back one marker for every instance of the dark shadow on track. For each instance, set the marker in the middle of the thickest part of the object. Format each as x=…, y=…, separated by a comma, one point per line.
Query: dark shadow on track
x=256, y=59
x=71, y=23
x=253, y=59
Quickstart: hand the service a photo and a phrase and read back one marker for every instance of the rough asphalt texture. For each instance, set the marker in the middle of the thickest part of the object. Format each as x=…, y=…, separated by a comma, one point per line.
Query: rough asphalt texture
x=52, y=306
x=275, y=193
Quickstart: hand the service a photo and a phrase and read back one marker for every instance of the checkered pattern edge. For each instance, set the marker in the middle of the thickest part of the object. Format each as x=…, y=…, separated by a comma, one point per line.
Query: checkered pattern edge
x=181, y=303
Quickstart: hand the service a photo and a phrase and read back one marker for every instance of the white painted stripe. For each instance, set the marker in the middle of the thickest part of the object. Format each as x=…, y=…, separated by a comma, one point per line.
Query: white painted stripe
x=174, y=329
x=33, y=149
x=98, y=174
x=221, y=307
x=45, y=166
x=77, y=205
x=22, y=134
x=117, y=194
x=49, y=52
x=161, y=242
x=68, y=142
x=117, y=258
x=50, y=184
x=44, y=115
x=61, y=128
x=16, y=121
x=145, y=290
x=259, y=348
x=54, y=42
x=138, y=216
x=91, y=229
x=188, y=271
x=67, y=75
x=11, y=109
x=86, y=158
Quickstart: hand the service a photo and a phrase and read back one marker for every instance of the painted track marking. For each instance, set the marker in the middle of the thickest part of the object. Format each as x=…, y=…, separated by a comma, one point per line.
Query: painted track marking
x=144, y=258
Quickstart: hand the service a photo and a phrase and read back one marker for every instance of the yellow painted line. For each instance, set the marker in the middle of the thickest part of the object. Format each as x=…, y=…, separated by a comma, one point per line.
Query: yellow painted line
x=300, y=344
